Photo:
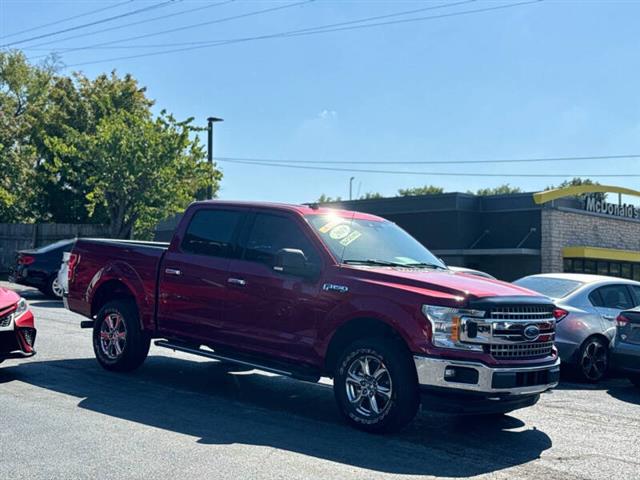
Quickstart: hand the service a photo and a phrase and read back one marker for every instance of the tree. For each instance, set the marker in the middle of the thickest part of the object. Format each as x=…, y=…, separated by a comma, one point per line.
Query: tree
x=371, y=195
x=425, y=190
x=327, y=199
x=138, y=169
x=503, y=189
x=23, y=100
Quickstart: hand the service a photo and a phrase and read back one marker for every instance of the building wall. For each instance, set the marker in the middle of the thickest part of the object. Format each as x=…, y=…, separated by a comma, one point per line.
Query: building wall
x=561, y=228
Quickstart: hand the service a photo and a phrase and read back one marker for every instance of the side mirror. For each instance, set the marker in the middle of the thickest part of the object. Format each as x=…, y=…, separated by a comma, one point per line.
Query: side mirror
x=293, y=262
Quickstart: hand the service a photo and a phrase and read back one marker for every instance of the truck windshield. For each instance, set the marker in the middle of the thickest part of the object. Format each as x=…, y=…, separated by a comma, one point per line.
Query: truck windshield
x=371, y=242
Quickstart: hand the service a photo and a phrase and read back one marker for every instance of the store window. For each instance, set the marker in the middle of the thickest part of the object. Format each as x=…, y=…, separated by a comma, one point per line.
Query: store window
x=602, y=267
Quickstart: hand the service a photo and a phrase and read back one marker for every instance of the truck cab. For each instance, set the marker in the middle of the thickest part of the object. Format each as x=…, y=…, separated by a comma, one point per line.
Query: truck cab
x=309, y=292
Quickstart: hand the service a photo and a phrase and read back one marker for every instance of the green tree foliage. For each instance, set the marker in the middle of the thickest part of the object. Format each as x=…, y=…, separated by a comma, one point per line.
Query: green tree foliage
x=577, y=181
x=327, y=199
x=80, y=150
x=23, y=101
x=424, y=190
x=503, y=189
x=371, y=195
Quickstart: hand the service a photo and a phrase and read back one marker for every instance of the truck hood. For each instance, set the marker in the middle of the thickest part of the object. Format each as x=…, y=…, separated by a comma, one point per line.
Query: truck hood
x=448, y=282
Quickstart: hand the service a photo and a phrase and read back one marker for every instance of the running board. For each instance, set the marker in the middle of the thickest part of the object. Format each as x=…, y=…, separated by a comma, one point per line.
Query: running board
x=278, y=368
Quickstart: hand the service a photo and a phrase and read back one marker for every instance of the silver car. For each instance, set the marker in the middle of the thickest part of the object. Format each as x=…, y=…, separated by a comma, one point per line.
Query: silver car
x=589, y=305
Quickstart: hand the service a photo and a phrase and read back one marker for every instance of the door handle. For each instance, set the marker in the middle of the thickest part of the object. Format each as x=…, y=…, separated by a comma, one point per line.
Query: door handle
x=172, y=271
x=609, y=317
x=237, y=281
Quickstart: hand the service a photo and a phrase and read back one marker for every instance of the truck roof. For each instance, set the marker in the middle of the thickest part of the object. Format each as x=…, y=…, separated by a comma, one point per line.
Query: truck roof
x=301, y=209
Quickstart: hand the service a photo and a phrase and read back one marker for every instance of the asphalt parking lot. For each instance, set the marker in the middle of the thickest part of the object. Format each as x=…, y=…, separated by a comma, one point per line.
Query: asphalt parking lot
x=61, y=416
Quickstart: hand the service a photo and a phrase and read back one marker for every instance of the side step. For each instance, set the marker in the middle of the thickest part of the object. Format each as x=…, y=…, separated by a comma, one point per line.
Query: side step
x=279, y=368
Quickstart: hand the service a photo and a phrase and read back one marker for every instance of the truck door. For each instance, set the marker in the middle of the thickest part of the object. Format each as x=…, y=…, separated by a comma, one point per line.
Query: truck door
x=193, y=276
x=268, y=311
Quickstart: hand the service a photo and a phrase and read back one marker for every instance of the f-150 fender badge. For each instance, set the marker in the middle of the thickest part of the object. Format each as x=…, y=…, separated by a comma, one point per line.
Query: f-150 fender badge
x=332, y=287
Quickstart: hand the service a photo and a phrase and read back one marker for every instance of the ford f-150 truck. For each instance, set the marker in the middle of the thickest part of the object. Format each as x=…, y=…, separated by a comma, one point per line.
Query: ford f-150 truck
x=307, y=292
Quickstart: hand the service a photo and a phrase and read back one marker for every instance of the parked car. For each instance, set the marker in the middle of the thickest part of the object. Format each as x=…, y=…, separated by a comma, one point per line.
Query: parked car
x=470, y=271
x=589, y=305
x=308, y=292
x=625, y=354
x=17, y=329
x=39, y=267
x=63, y=273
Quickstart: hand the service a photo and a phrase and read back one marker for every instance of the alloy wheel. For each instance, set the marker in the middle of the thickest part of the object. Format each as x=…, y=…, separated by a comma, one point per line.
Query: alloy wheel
x=368, y=385
x=56, y=288
x=113, y=336
x=594, y=361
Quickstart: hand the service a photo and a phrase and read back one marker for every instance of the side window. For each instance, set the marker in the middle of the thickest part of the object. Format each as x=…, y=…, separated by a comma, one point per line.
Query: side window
x=271, y=233
x=211, y=233
x=636, y=294
x=612, y=296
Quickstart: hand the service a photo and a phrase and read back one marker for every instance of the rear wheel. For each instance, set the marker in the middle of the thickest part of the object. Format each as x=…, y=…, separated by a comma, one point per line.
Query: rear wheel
x=375, y=385
x=53, y=288
x=118, y=341
x=593, y=360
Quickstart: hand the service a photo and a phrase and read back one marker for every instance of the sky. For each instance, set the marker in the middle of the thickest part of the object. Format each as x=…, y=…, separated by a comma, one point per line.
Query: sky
x=546, y=79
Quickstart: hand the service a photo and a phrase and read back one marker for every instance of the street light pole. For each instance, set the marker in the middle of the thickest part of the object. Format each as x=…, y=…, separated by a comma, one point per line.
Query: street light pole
x=210, y=123
x=351, y=187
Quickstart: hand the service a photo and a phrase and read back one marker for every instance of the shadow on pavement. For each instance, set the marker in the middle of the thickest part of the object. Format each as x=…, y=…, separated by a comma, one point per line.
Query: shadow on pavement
x=625, y=392
x=219, y=404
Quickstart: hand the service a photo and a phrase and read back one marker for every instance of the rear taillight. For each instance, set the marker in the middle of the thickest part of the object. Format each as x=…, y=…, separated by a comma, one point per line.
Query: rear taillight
x=559, y=314
x=73, y=262
x=622, y=321
x=26, y=260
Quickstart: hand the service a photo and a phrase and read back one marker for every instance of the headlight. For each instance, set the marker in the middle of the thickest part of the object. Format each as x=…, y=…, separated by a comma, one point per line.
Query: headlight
x=22, y=307
x=445, y=326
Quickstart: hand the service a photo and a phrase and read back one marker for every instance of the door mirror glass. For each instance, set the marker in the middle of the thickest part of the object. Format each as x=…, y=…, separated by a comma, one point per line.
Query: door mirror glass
x=293, y=262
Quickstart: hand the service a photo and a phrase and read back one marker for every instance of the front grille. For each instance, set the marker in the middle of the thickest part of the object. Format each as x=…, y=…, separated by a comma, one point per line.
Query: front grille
x=522, y=312
x=6, y=320
x=521, y=350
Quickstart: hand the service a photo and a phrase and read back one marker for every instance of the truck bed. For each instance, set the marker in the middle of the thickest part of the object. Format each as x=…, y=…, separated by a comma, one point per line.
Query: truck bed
x=135, y=263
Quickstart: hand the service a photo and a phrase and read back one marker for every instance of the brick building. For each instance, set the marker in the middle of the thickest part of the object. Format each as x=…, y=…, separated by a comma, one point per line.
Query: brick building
x=577, y=229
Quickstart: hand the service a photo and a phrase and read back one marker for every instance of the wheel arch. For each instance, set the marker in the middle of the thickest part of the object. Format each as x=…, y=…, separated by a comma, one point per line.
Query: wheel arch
x=356, y=329
x=111, y=290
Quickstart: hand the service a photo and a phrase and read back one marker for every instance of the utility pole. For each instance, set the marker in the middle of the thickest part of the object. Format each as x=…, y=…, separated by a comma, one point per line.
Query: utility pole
x=210, y=123
x=351, y=187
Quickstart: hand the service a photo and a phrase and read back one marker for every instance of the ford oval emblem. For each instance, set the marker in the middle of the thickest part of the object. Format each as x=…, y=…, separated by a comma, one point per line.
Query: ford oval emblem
x=531, y=332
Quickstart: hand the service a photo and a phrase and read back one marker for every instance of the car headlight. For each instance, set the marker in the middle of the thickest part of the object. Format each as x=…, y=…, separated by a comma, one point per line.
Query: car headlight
x=445, y=326
x=22, y=307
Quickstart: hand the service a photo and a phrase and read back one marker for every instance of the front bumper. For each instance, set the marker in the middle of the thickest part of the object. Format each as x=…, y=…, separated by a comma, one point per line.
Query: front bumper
x=462, y=376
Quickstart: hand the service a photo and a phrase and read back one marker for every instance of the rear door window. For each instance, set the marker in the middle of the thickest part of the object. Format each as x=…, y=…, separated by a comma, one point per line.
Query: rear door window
x=612, y=296
x=212, y=233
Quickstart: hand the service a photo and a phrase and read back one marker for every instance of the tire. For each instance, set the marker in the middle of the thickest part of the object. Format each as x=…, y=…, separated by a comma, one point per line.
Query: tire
x=394, y=390
x=119, y=343
x=593, y=360
x=53, y=289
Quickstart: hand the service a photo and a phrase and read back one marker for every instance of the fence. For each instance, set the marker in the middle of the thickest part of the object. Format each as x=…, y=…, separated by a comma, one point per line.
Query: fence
x=16, y=236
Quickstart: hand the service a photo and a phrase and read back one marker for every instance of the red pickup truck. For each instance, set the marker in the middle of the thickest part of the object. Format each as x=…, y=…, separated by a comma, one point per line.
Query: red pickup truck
x=309, y=292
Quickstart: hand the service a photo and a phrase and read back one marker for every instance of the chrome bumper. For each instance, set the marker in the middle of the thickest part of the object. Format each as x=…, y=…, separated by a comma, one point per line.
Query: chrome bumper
x=431, y=373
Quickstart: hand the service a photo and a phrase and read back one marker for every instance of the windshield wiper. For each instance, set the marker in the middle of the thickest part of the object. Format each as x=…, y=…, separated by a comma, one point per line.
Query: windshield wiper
x=385, y=263
x=373, y=261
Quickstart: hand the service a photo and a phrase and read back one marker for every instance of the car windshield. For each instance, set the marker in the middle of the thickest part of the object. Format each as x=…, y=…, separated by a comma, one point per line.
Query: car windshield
x=550, y=287
x=371, y=242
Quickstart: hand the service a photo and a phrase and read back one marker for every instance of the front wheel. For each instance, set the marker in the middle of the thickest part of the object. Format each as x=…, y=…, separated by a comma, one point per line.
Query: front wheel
x=118, y=341
x=375, y=385
x=593, y=360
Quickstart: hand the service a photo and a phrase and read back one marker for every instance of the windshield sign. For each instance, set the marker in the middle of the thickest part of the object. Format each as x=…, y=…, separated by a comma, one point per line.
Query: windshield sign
x=371, y=242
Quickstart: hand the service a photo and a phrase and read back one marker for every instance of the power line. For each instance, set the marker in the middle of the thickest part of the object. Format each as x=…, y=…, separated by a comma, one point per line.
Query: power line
x=208, y=42
x=97, y=22
x=118, y=27
x=309, y=31
x=67, y=19
x=434, y=174
x=430, y=162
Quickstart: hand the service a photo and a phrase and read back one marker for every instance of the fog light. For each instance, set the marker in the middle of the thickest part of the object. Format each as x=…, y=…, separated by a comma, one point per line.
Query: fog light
x=449, y=372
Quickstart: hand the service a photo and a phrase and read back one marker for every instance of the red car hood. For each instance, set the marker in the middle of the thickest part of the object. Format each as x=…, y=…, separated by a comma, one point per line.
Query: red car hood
x=8, y=298
x=454, y=283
